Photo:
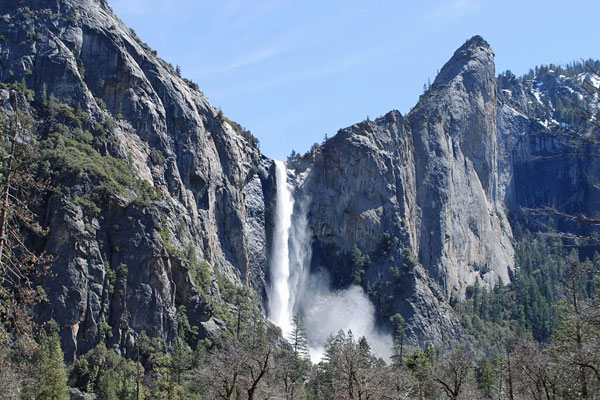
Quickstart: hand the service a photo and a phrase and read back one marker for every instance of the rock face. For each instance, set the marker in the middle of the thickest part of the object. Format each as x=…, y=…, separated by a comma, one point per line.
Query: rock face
x=423, y=195
x=424, y=185
x=429, y=179
x=426, y=195
x=541, y=165
x=463, y=230
x=129, y=266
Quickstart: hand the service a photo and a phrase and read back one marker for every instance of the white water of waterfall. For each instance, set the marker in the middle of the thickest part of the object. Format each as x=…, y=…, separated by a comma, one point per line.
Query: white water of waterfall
x=280, y=306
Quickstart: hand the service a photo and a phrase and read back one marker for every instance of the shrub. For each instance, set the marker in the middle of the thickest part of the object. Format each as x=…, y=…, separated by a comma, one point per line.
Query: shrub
x=200, y=270
x=68, y=158
x=156, y=156
x=240, y=130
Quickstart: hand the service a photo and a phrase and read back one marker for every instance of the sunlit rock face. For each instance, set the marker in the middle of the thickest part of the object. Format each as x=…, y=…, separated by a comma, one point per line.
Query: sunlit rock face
x=212, y=185
x=426, y=195
x=464, y=234
x=417, y=188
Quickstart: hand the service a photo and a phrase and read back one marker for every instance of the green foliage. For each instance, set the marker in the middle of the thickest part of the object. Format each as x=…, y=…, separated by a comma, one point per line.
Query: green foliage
x=488, y=374
x=157, y=157
x=569, y=106
x=122, y=271
x=67, y=157
x=191, y=84
x=55, y=112
x=88, y=205
x=107, y=375
x=28, y=12
x=185, y=331
x=528, y=302
x=297, y=338
x=200, y=270
x=347, y=368
x=150, y=349
x=399, y=325
x=293, y=156
x=420, y=363
x=32, y=35
x=359, y=263
x=20, y=87
x=51, y=376
x=104, y=330
x=171, y=248
x=240, y=130
x=111, y=278
x=238, y=307
x=67, y=154
x=101, y=103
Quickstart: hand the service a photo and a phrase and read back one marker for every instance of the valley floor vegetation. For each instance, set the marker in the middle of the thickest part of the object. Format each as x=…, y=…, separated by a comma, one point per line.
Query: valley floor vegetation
x=536, y=338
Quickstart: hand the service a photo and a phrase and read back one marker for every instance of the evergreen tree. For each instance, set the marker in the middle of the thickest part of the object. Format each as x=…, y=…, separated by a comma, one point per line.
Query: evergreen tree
x=487, y=377
x=107, y=375
x=297, y=338
x=51, y=378
x=420, y=364
x=350, y=368
x=399, y=324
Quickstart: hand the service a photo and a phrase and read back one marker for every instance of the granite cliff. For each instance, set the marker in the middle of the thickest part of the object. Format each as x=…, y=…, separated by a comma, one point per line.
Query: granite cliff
x=425, y=195
x=418, y=194
x=209, y=183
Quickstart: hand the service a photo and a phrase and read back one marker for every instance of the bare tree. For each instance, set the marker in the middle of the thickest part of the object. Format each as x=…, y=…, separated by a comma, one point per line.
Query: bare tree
x=241, y=368
x=533, y=377
x=394, y=383
x=20, y=190
x=452, y=374
x=291, y=372
x=577, y=338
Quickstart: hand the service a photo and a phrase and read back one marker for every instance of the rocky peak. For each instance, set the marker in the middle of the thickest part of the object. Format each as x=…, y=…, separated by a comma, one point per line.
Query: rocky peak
x=474, y=58
x=462, y=233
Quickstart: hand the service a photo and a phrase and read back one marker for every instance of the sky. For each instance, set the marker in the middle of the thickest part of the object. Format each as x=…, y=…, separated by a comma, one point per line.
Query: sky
x=294, y=71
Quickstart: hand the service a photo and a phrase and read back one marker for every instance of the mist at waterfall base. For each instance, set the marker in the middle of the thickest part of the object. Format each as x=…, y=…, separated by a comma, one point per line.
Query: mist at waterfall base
x=294, y=289
x=326, y=312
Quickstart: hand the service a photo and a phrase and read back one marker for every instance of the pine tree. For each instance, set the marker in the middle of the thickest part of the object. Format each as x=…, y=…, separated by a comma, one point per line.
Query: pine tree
x=298, y=339
x=51, y=376
x=420, y=364
x=399, y=337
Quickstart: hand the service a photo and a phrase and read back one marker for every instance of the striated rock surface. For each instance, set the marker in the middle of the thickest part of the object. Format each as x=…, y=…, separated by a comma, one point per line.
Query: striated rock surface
x=418, y=194
x=132, y=264
x=464, y=233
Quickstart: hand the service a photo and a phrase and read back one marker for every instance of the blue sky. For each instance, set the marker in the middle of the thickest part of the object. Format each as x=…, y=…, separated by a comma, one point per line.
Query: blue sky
x=293, y=71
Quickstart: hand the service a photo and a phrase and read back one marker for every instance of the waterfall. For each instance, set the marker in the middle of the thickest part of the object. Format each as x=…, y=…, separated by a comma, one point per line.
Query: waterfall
x=295, y=289
x=280, y=306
